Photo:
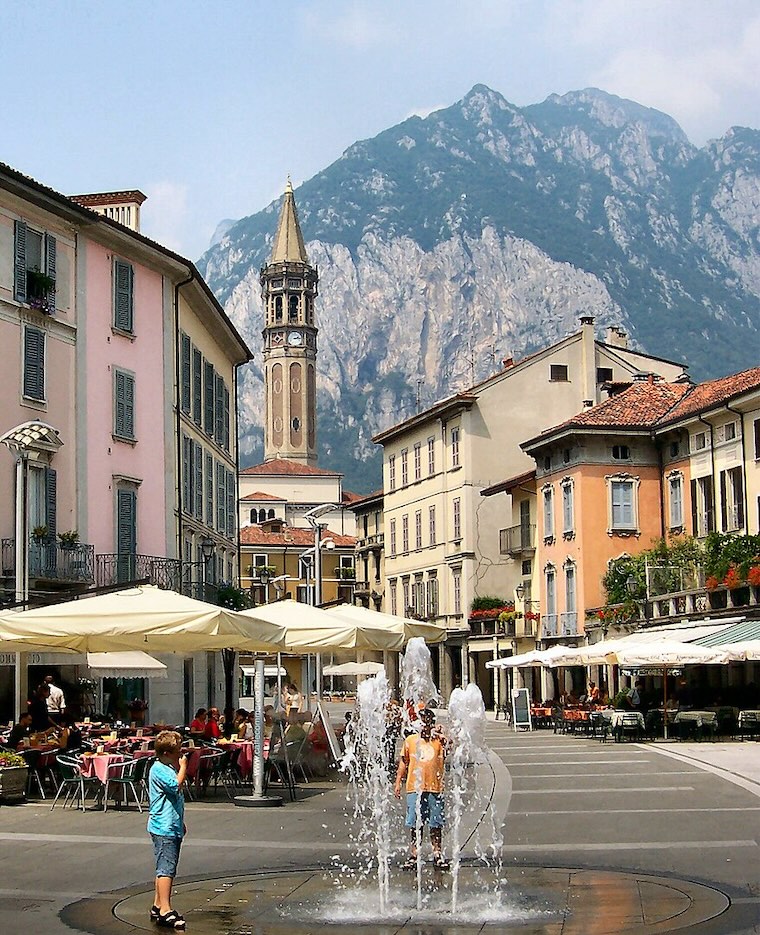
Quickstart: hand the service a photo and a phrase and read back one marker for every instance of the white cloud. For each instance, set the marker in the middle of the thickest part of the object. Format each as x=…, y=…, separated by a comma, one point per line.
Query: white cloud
x=358, y=26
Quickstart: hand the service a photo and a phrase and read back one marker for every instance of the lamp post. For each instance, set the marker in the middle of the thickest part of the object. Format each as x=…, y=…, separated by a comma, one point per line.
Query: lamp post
x=207, y=551
x=265, y=576
x=30, y=441
x=312, y=516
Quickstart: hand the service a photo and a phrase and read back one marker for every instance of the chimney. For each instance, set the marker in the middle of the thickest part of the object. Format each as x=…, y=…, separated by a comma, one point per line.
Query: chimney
x=123, y=207
x=508, y=362
x=616, y=337
x=588, y=357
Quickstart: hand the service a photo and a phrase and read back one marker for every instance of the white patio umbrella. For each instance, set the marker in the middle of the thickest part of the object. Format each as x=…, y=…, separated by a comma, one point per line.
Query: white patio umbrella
x=668, y=654
x=390, y=623
x=744, y=651
x=354, y=668
x=144, y=618
x=532, y=658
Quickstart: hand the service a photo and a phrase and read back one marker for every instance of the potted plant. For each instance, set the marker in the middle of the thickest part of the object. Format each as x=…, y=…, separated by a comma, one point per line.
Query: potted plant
x=39, y=534
x=137, y=708
x=69, y=539
x=13, y=775
x=39, y=288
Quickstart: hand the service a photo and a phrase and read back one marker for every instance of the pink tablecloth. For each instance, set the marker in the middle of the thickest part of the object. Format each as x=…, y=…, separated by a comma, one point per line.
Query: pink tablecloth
x=245, y=755
x=100, y=764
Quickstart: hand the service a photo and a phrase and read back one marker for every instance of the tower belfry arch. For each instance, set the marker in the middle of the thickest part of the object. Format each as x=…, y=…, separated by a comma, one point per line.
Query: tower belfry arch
x=288, y=290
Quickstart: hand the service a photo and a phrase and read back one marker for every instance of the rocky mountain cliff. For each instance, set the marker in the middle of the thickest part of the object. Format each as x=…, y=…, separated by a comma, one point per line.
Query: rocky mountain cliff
x=483, y=231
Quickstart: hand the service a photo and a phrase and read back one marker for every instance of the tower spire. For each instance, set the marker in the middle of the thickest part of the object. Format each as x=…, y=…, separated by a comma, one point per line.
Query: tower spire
x=288, y=241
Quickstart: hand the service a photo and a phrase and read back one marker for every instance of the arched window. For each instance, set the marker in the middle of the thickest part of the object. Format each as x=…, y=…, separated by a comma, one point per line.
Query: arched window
x=278, y=308
x=254, y=516
x=262, y=516
x=270, y=514
x=293, y=308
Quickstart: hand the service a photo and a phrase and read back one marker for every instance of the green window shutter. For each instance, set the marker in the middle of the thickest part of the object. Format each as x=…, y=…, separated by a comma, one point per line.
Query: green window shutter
x=197, y=387
x=221, y=497
x=123, y=296
x=124, y=404
x=51, y=502
x=209, y=491
x=218, y=409
x=50, y=267
x=198, y=472
x=230, y=505
x=723, y=502
x=19, y=267
x=739, y=491
x=185, y=373
x=208, y=399
x=126, y=534
x=226, y=416
x=694, y=519
x=34, y=363
x=187, y=488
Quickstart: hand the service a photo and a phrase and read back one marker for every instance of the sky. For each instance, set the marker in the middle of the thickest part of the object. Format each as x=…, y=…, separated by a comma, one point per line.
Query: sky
x=208, y=106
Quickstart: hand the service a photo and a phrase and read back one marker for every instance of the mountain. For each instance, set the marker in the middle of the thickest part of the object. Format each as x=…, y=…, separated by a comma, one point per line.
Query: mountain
x=483, y=231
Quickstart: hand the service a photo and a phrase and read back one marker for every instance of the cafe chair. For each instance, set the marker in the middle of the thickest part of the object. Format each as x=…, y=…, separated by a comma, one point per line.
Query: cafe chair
x=73, y=783
x=126, y=775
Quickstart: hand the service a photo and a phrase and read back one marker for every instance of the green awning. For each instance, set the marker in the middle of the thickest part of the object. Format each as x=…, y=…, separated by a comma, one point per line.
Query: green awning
x=738, y=633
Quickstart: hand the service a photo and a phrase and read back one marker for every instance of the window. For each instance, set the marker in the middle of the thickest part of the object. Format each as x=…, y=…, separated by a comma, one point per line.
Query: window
x=404, y=467
x=208, y=398
x=457, y=582
x=34, y=267
x=431, y=456
x=210, y=493
x=551, y=592
x=418, y=596
x=548, y=463
x=405, y=533
x=432, y=596
x=259, y=560
x=457, y=507
x=418, y=529
x=185, y=379
x=567, y=507
x=43, y=499
x=526, y=569
x=566, y=456
x=392, y=472
x=123, y=296
x=570, y=620
x=700, y=441
x=187, y=475
x=394, y=596
x=702, y=506
x=604, y=374
x=730, y=431
x=405, y=594
x=675, y=449
x=34, y=364
x=197, y=387
x=126, y=532
x=431, y=525
x=622, y=512
x=393, y=537
x=124, y=405
x=455, y=447
x=221, y=497
x=675, y=490
x=548, y=501
x=732, y=499
x=418, y=461
x=757, y=439
x=231, y=500
x=621, y=453
x=558, y=373
x=198, y=489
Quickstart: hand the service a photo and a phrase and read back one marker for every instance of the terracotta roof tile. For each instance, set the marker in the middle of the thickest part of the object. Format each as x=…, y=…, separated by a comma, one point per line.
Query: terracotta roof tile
x=283, y=467
x=291, y=536
x=259, y=495
x=350, y=497
x=713, y=392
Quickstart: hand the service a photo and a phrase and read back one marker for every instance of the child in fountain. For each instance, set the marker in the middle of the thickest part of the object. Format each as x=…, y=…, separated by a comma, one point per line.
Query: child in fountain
x=422, y=765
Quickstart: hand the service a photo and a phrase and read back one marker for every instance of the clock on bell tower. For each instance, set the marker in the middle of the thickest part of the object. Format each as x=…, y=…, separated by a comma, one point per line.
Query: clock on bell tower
x=288, y=289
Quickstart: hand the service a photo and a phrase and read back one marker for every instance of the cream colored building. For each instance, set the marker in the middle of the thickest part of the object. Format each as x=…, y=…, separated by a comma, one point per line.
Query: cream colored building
x=442, y=538
x=370, y=551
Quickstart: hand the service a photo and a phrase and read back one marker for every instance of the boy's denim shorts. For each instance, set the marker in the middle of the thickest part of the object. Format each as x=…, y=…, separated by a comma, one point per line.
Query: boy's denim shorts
x=431, y=809
x=166, y=851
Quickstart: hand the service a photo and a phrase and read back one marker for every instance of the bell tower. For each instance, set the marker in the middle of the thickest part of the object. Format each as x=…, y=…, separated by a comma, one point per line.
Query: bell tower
x=288, y=290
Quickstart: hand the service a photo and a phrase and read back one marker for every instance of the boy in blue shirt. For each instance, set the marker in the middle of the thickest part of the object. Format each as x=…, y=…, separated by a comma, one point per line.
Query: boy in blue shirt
x=166, y=824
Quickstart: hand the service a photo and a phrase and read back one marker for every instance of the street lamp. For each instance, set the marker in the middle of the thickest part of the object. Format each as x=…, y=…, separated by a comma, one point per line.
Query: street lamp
x=265, y=576
x=311, y=517
x=207, y=552
x=519, y=592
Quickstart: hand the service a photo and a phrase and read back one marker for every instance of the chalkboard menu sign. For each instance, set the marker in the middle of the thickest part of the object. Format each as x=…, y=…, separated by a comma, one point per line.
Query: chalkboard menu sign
x=521, y=709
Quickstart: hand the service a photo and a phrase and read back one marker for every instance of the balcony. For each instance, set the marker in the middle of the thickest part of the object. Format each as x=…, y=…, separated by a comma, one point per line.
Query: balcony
x=374, y=543
x=171, y=574
x=517, y=540
x=568, y=624
x=49, y=560
x=549, y=628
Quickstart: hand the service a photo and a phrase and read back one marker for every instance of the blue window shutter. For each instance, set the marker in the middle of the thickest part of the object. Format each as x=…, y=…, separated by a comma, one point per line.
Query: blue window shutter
x=226, y=416
x=221, y=497
x=123, y=296
x=218, y=410
x=230, y=505
x=34, y=363
x=19, y=269
x=51, y=502
x=187, y=484
x=118, y=403
x=50, y=267
x=185, y=373
x=124, y=405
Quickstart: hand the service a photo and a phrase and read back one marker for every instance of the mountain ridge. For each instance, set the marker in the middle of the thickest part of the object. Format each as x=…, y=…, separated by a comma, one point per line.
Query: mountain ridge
x=484, y=230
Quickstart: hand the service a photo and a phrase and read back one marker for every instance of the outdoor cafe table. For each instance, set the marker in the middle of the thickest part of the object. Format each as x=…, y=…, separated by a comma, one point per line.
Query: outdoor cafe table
x=245, y=754
x=615, y=717
x=100, y=765
x=697, y=720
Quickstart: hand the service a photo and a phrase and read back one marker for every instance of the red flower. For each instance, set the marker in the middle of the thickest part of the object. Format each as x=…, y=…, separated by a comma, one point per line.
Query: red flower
x=733, y=579
x=712, y=583
x=753, y=576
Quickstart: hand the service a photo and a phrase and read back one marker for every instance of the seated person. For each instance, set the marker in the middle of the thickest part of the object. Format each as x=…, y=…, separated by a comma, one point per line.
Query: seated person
x=20, y=731
x=198, y=724
x=247, y=729
x=295, y=729
x=212, y=730
x=70, y=737
x=41, y=720
x=238, y=721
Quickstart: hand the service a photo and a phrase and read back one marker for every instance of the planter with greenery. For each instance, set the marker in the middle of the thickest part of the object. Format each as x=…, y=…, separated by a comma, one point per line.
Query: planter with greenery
x=39, y=534
x=39, y=289
x=13, y=775
x=346, y=573
x=69, y=540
